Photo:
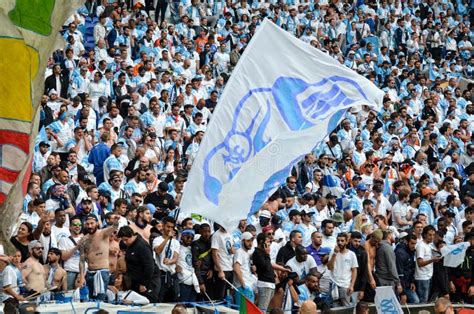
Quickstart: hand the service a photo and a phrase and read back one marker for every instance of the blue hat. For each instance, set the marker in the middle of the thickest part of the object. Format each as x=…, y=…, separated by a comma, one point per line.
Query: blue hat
x=324, y=251
x=361, y=186
x=151, y=207
x=187, y=232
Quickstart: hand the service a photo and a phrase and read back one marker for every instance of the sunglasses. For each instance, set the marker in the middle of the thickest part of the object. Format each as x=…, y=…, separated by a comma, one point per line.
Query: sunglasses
x=38, y=248
x=77, y=225
x=269, y=234
x=292, y=182
x=117, y=180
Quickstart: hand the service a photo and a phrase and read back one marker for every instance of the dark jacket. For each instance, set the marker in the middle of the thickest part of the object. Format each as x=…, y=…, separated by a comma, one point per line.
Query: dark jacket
x=285, y=253
x=405, y=265
x=263, y=263
x=202, y=258
x=139, y=260
x=363, y=269
x=50, y=83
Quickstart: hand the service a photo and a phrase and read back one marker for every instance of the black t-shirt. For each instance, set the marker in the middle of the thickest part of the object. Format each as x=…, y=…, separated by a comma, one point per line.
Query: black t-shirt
x=163, y=204
x=20, y=247
x=263, y=263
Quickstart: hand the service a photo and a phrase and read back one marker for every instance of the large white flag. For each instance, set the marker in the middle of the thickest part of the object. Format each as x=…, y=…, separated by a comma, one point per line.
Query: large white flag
x=280, y=102
x=454, y=254
x=386, y=302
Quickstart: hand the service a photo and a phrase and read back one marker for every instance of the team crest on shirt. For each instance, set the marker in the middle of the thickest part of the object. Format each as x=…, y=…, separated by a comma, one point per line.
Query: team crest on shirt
x=228, y=245
x=189, y=259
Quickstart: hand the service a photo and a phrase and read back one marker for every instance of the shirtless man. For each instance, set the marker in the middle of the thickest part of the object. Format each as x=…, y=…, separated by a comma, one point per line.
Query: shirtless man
x=95, y=251
x=55, y=275
x=33, y=272
x=371, y=248
x=142, y=223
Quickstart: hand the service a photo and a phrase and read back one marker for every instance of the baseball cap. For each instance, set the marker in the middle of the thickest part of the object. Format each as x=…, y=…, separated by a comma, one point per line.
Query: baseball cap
x=307, y=212
x=361, y=186
x=86, y=199
x=402, y=235
x=44, y=144
x=188, y=232
x=337, y=217
x=91, y=216
x=246, y=236
x=426, y=191
x=324, y=251
x=265, y=214
x=276, y=220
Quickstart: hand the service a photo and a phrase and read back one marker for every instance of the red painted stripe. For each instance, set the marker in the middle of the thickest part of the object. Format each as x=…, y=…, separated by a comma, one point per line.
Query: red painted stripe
x=21, y=140
x=3, y=197
x=8, y=175
x=26, y=178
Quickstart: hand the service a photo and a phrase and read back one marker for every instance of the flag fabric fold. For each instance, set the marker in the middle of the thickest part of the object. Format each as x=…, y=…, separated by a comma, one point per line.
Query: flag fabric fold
x=386, y=302
x=247, y=307
x=454, y=254
x=282, y=99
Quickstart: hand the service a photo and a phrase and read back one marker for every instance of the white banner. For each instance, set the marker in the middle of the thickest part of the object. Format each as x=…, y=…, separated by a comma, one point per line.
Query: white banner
x=386, y=301
x=454, y=254
x=280, y=102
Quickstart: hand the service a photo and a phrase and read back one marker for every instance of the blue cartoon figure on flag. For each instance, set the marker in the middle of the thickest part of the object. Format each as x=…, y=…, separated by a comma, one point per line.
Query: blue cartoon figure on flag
x=291, y=102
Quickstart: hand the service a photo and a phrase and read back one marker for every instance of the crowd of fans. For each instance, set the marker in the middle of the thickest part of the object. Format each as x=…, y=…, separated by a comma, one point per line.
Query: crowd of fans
x=126, y=105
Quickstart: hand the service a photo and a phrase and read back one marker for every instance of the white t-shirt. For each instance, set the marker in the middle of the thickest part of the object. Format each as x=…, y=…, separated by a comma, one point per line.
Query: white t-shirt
x=185, y=261
x=329, y=242
x=303, y=268
x=167, y=252
x=222, y=242
x=243, y=259
x=11, y=277
x=384, y=206
x=423, y=250
x=58, y=233
x=72, y=264
x=401, y=210
x=341, y=274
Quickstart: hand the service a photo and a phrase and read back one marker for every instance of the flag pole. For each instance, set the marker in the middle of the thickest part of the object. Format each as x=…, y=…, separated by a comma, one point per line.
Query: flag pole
x=212, y=302
x=233, y=287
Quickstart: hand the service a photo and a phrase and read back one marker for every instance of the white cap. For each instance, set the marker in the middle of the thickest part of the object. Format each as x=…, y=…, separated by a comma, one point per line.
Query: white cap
x=246, y=236
x=265, y=213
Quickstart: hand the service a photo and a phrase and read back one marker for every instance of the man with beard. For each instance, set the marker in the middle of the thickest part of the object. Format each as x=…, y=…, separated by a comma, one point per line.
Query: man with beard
x=327, y=227
x=307, y=291
x=361, y=281
x=142, y=223
x=244, y=281
x=301, y=264
x=371, y=248
x=56, y=274
x=202, y=261
x=188, y=283
x=69, y=247
x=141, y=268
x=32, y=271
x=343, y=266
x=288, y=250
x=95, y=251
x=405, y=259
x=385, y=268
